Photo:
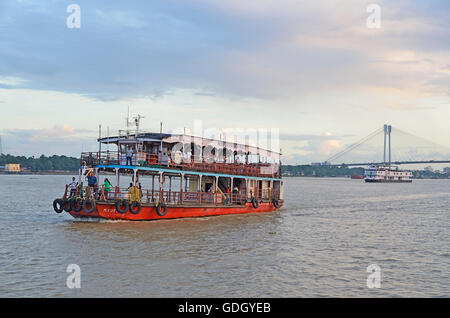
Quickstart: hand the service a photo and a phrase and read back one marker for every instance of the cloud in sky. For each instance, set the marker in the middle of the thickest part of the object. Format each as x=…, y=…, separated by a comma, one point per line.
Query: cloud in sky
x=247, y=49
x=304, y=66
x=57, y=131
x=66, y=139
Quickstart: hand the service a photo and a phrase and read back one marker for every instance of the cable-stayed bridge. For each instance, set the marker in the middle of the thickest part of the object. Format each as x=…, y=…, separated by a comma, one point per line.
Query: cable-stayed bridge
x=390, y=146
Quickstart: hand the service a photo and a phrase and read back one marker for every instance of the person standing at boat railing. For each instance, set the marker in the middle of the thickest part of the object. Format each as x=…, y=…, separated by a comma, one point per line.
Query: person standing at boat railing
x=106, y=188
x=73, y=188
x=129, y=155
x=134, y=193
x=92, y=183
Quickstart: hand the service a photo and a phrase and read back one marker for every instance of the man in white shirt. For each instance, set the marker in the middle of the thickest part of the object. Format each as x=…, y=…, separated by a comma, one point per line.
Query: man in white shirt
x=73, y=187
x=129, y=153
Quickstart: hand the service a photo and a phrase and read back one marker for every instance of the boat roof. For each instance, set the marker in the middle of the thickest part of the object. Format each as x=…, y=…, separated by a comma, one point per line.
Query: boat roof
x=187, y=139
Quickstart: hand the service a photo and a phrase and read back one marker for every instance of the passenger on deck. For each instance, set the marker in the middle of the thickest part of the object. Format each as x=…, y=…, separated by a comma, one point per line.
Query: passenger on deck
x=73, y=188
x=107, y=187
x=92, y=183
x=140, y=190
x=129, y=154
x=228, y=196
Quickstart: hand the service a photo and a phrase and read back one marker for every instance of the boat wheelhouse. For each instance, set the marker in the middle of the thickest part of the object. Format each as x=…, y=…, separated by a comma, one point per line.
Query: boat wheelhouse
x=173, y=176
x=386, y=174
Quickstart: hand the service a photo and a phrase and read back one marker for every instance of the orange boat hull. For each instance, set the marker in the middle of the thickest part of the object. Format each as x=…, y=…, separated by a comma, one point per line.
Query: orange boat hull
x=108, y=211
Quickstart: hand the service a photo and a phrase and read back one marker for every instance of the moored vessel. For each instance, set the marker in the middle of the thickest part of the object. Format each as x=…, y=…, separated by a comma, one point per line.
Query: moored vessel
x=173, y=176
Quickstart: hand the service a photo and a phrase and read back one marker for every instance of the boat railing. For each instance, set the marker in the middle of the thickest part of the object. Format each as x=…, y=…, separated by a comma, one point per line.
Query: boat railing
x=170, y=197
x=148, y=160
x=178, y=197
x=100, y=158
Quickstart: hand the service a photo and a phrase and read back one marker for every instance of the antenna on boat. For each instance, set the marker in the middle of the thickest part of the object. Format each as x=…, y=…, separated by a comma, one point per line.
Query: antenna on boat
x=137, y=121
x=107, y=135
x=99, y=139
x=128, y=122
x=160, y=133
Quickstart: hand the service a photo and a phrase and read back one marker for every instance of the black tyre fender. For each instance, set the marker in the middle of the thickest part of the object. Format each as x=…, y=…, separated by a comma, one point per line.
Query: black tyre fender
x=255, y=203
x=58, y=205
x=86, y=204
x=121, y=206
x=77, y=205
x=67, y=206
x=135, y=207
x=275, y=203
x=161, y=209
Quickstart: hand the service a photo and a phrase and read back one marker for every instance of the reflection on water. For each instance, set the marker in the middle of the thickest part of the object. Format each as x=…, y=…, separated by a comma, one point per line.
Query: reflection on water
x=319, y=244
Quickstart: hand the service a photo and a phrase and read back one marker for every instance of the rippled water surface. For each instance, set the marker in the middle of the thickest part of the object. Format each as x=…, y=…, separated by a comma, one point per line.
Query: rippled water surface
x=319, y=244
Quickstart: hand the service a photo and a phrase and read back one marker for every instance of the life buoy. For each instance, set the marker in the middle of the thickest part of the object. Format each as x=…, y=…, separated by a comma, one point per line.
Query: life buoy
x=275, y=203
x=77, y=205
x=161, y=209
x=86, y=204
x=121, y=206
x=66, y=205
x=58, y=205
x=255, y=203
x=133, y=205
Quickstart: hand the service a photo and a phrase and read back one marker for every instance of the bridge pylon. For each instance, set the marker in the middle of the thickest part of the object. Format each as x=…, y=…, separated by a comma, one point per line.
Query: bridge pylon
x=387, y=132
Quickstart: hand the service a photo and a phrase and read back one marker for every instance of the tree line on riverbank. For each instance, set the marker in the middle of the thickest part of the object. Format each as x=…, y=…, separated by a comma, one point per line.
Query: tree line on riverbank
x=319, y=171
x=64, y=163
x=42, y=163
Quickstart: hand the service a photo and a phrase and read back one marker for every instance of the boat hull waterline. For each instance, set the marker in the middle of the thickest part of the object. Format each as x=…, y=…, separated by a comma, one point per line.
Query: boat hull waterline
x=108, y=211
x=387, y=181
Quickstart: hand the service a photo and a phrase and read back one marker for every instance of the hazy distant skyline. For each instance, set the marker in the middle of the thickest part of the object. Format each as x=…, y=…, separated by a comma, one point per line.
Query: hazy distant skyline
x=313, y=69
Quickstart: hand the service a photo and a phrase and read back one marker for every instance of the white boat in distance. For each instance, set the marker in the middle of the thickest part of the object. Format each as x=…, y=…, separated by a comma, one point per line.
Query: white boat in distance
x=386, y=174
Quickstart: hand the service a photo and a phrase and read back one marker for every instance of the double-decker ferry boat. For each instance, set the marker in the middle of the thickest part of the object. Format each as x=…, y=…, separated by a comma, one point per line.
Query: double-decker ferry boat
x=173, y=176
x=386, y=174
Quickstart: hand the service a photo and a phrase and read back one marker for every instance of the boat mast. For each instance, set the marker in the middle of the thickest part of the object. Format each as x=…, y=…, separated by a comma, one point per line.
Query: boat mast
x=139, y=146
x=160, y=132
x=99, y=140
x=107, y=135
x=137, y=121
x=128, y=122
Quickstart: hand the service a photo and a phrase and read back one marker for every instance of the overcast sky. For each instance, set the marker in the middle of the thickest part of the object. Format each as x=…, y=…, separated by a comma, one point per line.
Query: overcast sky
x=313, y=69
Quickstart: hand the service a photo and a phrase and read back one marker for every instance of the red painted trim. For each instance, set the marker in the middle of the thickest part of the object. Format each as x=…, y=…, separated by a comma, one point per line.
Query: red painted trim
x=108, y=211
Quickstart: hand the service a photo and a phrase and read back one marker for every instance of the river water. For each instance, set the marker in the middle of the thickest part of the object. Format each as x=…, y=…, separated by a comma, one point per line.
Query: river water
x=320, y=244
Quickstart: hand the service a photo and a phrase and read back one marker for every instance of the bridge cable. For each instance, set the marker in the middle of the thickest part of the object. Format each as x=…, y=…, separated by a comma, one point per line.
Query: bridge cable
x=355, y=145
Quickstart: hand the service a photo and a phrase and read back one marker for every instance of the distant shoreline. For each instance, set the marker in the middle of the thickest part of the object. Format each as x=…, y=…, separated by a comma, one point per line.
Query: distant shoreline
x=348, y=177
x=50, y=172
x=75, y=173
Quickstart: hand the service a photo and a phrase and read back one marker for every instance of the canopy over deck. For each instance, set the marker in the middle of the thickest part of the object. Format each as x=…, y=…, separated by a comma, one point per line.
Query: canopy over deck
x=243, y=148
